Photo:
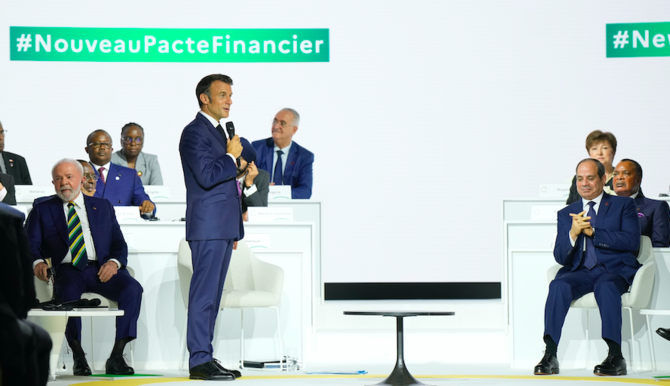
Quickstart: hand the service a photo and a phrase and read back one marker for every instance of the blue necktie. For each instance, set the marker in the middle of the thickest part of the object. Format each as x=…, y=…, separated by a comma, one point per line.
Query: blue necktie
x=278, y=178
x=590, y=260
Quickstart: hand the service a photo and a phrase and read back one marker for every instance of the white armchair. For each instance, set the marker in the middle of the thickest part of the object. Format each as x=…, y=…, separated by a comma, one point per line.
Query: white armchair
x=637, y=297
x=250, y=282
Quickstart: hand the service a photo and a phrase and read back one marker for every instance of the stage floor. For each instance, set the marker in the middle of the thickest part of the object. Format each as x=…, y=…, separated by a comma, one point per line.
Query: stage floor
x=431, y=374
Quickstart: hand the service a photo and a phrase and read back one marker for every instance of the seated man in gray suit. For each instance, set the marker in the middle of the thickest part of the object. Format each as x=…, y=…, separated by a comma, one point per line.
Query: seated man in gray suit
x=254, y=182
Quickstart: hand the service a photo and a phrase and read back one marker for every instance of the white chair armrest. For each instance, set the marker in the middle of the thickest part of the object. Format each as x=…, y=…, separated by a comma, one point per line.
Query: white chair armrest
x=643, y=283
x=269, y=277
x=551, y=272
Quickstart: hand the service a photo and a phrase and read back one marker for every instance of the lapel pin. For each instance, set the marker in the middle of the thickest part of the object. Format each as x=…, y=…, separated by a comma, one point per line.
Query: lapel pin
x=118, y=178
x=139, y=173
x=94, y=208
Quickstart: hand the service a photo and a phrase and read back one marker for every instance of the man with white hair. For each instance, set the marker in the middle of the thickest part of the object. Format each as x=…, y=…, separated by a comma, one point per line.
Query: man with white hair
x=287, y=162
x=89, y=254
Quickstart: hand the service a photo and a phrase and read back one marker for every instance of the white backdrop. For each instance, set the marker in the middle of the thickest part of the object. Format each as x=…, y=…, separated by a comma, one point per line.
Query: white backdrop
x=426, y=116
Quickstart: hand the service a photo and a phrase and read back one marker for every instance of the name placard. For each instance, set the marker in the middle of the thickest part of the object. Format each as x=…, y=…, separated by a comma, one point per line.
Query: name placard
x=28, y=193
x=269, y=214
x=554, y=190
x=128, y=214
x=279, y=193
x=257, y=240
x=158, y=192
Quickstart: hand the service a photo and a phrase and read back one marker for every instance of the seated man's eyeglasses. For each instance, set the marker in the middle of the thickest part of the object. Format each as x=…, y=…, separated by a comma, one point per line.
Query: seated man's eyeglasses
x=97, y=145
x=130, y=140
x=283, y=124
x=93, y=177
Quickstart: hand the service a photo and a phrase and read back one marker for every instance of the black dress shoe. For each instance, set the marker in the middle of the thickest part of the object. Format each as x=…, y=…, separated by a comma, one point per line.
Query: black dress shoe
x=236, y=373
x=210, y=371
x=80, y=366
x=664, y=333
x=611, y=366
x=548, y=365
x=116, y=365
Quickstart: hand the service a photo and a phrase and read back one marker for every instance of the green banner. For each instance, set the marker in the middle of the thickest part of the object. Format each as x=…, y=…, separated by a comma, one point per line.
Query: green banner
x=633, y=40
x=169, y=45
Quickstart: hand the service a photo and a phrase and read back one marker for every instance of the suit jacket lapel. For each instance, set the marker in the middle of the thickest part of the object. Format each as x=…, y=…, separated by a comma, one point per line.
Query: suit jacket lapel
x=92, y=215
x=99, y=185
x=269, y=151
x=290, y=162
x=58, y=215
x=213, y=131
x=602, y=210
x=640, y=203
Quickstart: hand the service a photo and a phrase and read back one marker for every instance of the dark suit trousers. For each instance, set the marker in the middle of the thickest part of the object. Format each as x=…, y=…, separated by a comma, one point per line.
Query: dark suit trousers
x=121, y=288
x=210, y=265
x=607, y=287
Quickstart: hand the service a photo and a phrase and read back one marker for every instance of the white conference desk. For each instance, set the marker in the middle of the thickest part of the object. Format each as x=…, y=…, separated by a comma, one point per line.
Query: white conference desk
x=529, y=232
x=310, y=211
x=152, y=253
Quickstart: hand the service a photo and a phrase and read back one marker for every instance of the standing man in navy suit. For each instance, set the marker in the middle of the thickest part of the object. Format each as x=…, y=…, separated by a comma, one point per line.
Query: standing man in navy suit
x=84, y=241
x=597, y=240
x=119, y=184
x=213, y=218
x=287, y=162
x=654, y=215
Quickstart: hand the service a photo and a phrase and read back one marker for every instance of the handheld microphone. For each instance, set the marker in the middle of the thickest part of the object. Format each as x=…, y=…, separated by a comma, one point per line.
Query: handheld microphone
x=230, y=128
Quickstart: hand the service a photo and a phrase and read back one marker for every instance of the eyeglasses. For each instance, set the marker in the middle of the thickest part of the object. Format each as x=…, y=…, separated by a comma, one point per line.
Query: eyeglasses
x=3, y=132
x=93, y=177
x=283, y=124
x=97, y=145
x=130, y=140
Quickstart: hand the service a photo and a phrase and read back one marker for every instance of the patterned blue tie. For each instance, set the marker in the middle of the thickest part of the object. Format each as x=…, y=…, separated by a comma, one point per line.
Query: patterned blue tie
x=590, y=260
x=278, y=178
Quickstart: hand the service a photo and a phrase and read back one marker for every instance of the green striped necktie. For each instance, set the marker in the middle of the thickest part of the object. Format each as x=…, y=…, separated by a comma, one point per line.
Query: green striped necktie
x=77, y=245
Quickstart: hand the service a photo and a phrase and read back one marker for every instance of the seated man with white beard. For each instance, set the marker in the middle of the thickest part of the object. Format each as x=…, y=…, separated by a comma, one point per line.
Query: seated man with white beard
x=84, y=241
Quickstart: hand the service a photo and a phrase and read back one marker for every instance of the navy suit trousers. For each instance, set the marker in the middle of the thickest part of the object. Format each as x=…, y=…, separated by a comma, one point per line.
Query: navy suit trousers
x=211, y=259
x=607, y=287
x=122, y=288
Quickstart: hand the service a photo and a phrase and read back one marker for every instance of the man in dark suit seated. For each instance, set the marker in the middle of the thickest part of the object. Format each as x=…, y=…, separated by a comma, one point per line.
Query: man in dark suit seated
x=24, y=346
x=287, y=162
x=254, y=182
x=13, y=164
x=119, y=184
x=84, y=241
x=654, y=215
x=7, y=190
x=596, y=242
